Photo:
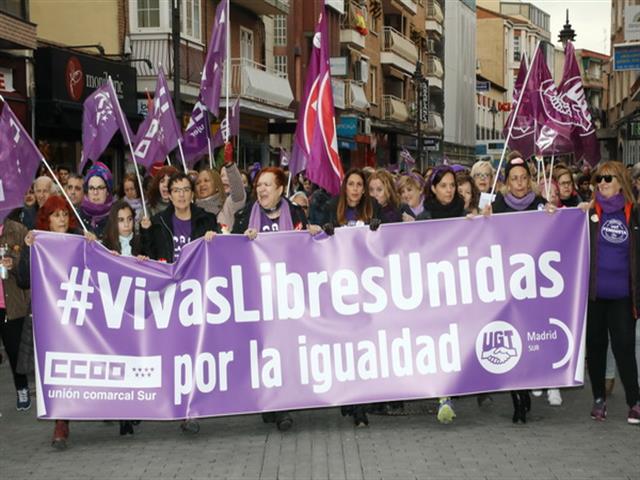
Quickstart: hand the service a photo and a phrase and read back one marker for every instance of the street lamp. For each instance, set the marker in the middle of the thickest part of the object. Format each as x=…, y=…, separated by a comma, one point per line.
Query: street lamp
x=493, y=111
x=421, y=86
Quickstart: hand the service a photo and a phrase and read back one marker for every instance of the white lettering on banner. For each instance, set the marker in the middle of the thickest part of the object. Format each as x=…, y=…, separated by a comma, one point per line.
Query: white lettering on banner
x=205, y=374
x=160, y=104
x=370, y=360
x=287, y=295
x=1, y=191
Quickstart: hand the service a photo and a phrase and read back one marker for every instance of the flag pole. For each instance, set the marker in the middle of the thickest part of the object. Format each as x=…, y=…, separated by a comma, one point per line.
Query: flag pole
x=133, y=155
x=226, y=70
x=55, y=178
x=553, y=156
x=184, y=164
x=513, y=120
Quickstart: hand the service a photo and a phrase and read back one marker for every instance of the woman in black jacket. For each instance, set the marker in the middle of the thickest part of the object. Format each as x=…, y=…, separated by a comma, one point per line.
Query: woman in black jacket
x=164, y=236
x=270, y=212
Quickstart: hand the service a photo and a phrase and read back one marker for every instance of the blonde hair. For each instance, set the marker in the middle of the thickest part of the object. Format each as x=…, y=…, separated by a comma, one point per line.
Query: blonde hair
x=387, y=182
x=482, y=165
x=618, y=170
x=216, y=181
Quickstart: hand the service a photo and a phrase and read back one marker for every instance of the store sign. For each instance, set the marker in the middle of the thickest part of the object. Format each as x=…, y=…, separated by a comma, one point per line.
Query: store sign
x=6, y=80
x=347, y=127
x=69, y=76
x=632, y=22
x=482, y=87
x=626, y=56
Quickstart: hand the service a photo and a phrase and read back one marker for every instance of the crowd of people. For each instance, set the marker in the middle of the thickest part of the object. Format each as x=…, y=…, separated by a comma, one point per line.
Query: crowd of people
x=184, y=206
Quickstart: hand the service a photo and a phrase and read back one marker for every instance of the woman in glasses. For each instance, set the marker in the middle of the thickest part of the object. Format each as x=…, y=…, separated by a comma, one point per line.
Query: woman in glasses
x=566, y=188
x=613, y=286
x=482, y=173
x=98, y=199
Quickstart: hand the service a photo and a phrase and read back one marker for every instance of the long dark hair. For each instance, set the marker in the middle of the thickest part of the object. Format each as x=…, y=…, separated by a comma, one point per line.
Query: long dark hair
x=364, y=207
x=111, y=238
x=436, y=177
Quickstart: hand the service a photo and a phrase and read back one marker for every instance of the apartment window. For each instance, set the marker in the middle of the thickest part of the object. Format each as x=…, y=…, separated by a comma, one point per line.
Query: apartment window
x=148, y=13
x=191, y=18
x=280, y=63
x=17, y=8
x=373, y=85
x=280, y=30
x=516, y=48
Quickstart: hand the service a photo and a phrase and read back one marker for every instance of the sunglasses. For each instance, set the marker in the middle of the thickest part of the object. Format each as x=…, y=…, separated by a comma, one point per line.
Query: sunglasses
x=606, y=178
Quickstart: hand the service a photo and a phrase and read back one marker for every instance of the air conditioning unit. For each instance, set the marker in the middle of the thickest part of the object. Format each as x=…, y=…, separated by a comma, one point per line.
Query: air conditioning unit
x=361, y=71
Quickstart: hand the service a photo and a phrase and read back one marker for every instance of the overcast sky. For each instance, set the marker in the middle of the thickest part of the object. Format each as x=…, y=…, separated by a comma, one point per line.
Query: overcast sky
x=591, y=20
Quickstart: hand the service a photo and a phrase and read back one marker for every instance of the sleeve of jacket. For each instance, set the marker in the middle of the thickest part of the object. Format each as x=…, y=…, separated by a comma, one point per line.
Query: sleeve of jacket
x=146, y=242
x=237, y=197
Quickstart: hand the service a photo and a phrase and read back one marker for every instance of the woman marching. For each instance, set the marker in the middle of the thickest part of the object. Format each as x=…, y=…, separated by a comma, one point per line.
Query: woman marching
x=54, y=216
x=95, y=206
x=120, y=238
x=270, y=212
x=518, y=196
x=613, y=286
x=354, y=207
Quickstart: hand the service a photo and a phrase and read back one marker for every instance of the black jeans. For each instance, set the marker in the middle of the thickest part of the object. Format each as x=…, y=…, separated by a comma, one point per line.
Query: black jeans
x=616, y=318
x=11, y=332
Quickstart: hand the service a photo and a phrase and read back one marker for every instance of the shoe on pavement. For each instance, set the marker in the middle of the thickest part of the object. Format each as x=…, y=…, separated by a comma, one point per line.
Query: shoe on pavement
x=599, y=410
x=283, y=421
x=553, y=397
x=633, y=417
x=190, y=426
x=360, y=417
x=446, y=413
x=60, y=435
x=23, y=402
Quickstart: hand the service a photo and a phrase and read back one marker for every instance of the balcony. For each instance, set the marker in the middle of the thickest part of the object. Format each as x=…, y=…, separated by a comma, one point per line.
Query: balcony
x=16, y=33
x=409, y=5
x=338, y=89
x=394, y=109
x=398, y=50
x=355, y=98
x=264, y=7
x=434, y=71
x=434, y=123
x=435, y=18
x=256, y=82
x=351, y=37
x=158, y=49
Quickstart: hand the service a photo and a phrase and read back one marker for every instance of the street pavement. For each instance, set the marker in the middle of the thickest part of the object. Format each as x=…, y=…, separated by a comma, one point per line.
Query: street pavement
x=482, y=443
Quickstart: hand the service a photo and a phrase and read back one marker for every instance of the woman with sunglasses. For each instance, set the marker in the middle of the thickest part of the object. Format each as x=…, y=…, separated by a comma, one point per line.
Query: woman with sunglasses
x=613, y=286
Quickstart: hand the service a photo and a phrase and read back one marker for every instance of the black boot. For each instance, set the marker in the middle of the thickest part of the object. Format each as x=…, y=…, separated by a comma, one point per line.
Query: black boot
x=520, y=399
x=360, y=418
x=268, y=417
x=283, y=421
x=126, y=426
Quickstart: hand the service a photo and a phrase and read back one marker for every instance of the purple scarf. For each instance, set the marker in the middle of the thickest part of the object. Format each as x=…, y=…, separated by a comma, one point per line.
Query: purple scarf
x=284, y=221
x=519, y=203
x=610, y=205
x=96, y=211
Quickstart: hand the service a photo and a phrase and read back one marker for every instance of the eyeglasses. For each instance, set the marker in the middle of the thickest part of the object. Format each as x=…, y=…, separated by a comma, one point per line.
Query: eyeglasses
x=565, y=184
x=606, y=178
x=483, y=176
x=178, y=190
x=97, y=189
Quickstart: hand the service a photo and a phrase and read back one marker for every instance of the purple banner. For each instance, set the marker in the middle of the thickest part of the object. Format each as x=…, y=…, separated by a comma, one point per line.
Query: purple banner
x=290, y=321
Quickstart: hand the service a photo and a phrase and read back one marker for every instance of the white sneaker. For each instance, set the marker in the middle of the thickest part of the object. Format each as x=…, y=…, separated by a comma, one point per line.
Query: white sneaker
x=536, y=393
x=554, y=397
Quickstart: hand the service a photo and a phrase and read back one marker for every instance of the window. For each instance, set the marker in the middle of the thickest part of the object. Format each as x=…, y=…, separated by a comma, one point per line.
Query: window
x=373, y=85
x=148, y=13
x=191, y=18
x=280, y=30
x=17, y=8
x=516, y=48
x=246, y=44
x=280, y=63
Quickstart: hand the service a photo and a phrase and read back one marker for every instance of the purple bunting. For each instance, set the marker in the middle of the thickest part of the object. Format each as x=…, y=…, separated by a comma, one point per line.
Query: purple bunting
x=159, y=133
x=19, y=161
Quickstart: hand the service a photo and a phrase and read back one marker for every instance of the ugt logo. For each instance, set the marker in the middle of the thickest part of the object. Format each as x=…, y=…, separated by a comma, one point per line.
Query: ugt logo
x=498, y=347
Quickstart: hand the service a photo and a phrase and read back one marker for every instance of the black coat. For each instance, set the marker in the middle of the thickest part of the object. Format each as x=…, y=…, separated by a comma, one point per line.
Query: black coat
x=333, y=211
x=241, y=222
x=157, y=240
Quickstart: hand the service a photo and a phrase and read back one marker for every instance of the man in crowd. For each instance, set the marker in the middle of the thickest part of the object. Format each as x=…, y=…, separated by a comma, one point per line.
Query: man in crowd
x=74, y=188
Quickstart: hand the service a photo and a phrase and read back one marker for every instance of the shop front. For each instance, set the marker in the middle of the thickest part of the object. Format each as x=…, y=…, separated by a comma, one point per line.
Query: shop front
x=64, y=79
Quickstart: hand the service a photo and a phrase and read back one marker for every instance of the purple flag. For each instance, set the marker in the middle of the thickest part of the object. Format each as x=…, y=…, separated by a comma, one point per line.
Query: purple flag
x=583, y=135
x=194, y=140
x=231, y=126
x=523, y=132
x=211, y=83
x=159, y=133
x=315, y=147
x=478, y=308
x=405, y=155
x=19, y=161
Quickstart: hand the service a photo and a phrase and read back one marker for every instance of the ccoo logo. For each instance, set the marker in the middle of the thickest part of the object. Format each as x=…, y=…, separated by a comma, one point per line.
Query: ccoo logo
x=498, y=347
